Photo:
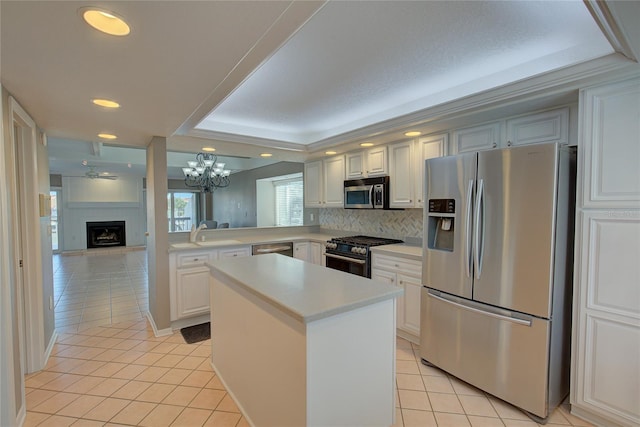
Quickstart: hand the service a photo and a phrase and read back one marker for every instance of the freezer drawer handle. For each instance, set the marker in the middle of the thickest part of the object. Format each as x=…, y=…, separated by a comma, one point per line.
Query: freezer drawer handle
x=486, y=313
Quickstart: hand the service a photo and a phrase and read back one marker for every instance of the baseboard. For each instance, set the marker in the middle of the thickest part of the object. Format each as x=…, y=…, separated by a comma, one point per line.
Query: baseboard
x=408, y=336
x=156, y=332
x=191, y=321
x=47, y=352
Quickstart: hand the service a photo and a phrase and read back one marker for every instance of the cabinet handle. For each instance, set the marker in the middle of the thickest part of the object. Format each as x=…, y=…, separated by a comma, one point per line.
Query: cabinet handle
x=494, y=145
x=397, y=266
x=400, y=282
x=508, y=143
x=196, y=259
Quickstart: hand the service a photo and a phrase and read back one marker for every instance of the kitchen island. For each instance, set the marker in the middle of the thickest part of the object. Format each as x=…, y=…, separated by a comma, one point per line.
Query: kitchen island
x=297, y=344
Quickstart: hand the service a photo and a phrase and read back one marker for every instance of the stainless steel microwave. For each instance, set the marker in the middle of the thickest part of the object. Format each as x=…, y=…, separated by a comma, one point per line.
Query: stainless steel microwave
x=367, y=193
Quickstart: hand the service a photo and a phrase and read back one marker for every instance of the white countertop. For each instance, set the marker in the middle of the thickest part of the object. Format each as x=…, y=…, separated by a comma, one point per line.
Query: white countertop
x=251, y=240
x=401, y=249
x=301, y=289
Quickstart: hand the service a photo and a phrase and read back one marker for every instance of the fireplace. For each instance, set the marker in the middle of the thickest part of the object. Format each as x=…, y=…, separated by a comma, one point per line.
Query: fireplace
x=106, y=234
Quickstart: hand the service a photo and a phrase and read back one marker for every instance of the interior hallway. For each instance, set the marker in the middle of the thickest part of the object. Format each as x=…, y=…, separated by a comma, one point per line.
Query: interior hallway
x=105, y=373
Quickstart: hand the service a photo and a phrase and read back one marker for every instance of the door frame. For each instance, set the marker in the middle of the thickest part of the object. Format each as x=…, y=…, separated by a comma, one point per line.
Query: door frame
x=23, y=179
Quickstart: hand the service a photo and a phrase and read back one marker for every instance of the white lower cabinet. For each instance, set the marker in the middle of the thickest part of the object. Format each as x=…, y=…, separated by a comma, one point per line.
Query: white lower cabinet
x=234, y=252
x=301, y=250
x=192, y=291
x=316, y=254
x=406, y=273
x=189, y=279
x=312, y=252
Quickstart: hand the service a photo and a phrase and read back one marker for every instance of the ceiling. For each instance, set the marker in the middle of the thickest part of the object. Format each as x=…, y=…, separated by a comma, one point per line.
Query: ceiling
x=288, y=77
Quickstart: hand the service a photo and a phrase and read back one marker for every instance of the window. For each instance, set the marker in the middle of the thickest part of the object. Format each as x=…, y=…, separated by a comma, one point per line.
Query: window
x=289, y=201
x=182, y=210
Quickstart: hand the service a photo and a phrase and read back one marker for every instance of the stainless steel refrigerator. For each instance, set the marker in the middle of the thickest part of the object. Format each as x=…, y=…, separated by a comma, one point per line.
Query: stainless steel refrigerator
x=497, y=268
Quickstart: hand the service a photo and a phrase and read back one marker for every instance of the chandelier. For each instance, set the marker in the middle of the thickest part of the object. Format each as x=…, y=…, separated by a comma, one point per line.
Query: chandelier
x=205, y=173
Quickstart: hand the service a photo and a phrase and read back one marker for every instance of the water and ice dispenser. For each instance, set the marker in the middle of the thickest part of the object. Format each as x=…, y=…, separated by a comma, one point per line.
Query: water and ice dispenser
x=441, y=224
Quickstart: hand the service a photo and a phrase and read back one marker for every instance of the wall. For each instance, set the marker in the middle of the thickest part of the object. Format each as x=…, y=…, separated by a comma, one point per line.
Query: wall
x=395, y=224
x=236, y=204
x=101, y=200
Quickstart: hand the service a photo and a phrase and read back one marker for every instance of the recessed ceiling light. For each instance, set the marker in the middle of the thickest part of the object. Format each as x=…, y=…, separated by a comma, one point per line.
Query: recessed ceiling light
x=266, y=155
x=330, y=152
x=367, y=144
x=413, y=133
x=107, y=103
x=105, y=21
x=209, y=149
x=107, y=136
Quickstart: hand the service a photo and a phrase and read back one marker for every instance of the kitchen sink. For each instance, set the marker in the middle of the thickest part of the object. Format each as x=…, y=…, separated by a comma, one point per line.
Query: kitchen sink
x=183, y=245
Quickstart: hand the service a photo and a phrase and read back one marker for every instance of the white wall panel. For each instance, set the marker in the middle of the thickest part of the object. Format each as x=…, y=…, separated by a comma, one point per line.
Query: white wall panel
x=613, y=278
x=612, y=345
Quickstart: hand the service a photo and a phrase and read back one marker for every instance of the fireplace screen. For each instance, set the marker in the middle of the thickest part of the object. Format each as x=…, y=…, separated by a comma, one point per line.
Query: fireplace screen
x=106, y=234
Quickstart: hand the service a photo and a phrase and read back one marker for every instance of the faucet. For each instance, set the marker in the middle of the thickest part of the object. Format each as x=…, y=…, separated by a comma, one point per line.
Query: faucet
x=194, y=232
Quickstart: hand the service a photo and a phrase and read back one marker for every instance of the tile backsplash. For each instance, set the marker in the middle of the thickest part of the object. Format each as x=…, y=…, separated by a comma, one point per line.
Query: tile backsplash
x=393, y=224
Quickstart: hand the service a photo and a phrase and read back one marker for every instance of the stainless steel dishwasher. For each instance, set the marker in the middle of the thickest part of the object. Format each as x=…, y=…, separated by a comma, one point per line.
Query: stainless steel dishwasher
x=284, y=248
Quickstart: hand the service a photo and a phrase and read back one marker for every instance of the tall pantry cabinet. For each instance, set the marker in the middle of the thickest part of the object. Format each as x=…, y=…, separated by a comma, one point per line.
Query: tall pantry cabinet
x=605, y=367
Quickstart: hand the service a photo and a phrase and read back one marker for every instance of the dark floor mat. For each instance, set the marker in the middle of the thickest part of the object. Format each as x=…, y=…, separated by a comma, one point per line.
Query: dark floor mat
x=197, y=333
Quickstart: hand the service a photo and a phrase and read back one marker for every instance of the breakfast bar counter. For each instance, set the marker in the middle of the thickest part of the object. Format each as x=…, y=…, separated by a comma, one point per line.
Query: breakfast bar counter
x=297, y=344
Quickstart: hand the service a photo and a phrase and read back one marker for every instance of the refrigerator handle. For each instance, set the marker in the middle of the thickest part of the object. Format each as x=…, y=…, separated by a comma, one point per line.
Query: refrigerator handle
x=478, y=229
x=467, y=249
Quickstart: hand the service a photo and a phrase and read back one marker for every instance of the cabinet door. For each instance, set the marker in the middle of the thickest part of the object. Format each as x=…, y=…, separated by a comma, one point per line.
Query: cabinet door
x=548, y=126
x=411, y=302
x=334, y=173
x=317, y=254
x=476, y=138
x=376, y=161
x=427, y=148
x=355, y=165
x=301, y=251
x=390, y=278
x=610, y=148
x=192, y=296
x=313, y=184
x=234, y=253
x=401, y=175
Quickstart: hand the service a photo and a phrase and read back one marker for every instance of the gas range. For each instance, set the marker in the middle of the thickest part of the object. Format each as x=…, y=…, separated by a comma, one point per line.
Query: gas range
x=352, y=255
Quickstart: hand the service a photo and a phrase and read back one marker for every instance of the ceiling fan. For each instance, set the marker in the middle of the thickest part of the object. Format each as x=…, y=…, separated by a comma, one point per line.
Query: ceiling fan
x=92, y=173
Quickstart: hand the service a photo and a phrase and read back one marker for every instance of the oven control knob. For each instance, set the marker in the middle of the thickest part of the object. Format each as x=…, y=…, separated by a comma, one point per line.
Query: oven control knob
x=331, y=245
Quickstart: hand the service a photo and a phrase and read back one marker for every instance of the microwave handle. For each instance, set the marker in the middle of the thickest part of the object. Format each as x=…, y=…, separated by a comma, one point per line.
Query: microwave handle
x=372, y=199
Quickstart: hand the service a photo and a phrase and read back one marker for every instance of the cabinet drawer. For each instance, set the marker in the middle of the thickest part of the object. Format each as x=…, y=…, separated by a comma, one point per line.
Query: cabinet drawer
x=192, y=259
x=402, y=265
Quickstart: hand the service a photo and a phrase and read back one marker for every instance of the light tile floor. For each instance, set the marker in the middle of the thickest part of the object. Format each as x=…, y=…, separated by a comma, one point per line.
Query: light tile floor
x=109, y=370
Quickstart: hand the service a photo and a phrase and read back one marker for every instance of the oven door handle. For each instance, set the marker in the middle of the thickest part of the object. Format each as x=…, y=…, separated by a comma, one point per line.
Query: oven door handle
x=344, y=258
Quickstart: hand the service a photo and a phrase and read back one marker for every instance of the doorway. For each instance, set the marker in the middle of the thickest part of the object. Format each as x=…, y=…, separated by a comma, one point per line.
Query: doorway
x=56, y=221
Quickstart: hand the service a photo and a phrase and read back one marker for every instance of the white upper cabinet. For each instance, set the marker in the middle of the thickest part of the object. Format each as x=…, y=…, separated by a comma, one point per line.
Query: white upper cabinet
x=428, y=147
x=334, y=173
x=401, y=175
x=355, y=165
x=406, y=169
x=324, y=183
x=548, y=126
x=313, y=184
x=611, y=146
x=368, y=163
x=476, y=138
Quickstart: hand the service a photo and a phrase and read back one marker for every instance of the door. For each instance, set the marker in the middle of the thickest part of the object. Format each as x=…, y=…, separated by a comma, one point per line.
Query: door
x=515, y=205
x=448, y=267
